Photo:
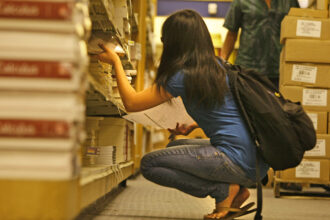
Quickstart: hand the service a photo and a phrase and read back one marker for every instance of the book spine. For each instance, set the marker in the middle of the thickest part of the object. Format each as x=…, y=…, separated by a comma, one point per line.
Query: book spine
x=34, y=128
x=36, y=9
x=35, y=69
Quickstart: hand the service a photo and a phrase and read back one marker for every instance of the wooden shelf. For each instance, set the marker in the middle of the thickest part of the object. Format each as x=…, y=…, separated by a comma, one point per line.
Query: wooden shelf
x=96, y=181
x=34, y=199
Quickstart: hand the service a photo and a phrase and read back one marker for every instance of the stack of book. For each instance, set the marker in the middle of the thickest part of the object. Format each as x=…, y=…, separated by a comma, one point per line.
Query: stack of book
x=99, y=76
x=114, y=132
x=43, y=61
x=90, y=148
x=107, y=155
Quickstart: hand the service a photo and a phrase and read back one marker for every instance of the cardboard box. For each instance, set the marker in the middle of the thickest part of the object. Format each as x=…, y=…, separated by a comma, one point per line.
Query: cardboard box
x=303, y=27
x=307, y=50
x=329, y=124
x=321, y=149
x=322, y=4
x=314, y=170
x=320, y=120
x=310, y=98
x=305, y=74
x=307, y=12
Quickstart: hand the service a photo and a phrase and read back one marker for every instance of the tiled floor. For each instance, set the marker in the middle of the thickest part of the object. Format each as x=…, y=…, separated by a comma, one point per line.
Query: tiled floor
x=143, y=200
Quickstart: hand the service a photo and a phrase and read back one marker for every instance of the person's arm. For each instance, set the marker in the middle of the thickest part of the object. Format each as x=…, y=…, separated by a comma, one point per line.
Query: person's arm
x=132, y=100
x=228, y=45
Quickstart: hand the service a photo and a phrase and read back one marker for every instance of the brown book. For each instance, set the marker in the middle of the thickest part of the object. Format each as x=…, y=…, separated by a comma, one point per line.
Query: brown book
x=35, y=69
x=34, y=128
x=52, y=10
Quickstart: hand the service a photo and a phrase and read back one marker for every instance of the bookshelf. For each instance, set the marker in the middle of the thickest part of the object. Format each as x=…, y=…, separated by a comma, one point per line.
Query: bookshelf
x=86, y=103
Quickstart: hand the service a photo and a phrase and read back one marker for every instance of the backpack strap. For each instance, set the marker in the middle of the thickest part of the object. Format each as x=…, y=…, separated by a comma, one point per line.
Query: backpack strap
x=232, y=76
x=258, y=215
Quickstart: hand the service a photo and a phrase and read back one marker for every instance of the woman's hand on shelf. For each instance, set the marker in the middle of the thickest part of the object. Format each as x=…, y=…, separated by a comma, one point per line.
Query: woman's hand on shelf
x=108, y=55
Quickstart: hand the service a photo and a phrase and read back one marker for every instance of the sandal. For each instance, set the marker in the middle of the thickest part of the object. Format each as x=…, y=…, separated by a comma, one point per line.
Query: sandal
x=233, y=212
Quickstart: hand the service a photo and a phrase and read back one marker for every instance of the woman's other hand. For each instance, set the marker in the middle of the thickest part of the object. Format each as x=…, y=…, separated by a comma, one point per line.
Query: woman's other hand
x=182, y=129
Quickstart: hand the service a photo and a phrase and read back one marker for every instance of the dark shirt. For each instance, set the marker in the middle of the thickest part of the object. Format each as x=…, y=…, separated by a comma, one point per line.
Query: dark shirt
x=260, y=32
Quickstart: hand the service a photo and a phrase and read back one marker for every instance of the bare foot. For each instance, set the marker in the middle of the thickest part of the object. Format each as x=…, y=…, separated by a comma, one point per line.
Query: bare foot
x=241, y=197
x=219, y=212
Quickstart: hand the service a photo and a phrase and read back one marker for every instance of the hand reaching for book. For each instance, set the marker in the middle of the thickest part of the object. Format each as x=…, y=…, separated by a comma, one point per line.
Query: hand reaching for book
x=108, y=55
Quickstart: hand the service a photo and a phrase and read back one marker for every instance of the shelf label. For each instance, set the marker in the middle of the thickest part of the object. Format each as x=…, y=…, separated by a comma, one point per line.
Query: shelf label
x=315, y=97
x=306, y=28
x=302, y=73
x=318, y=150
x=308, y=169
x=313, y=117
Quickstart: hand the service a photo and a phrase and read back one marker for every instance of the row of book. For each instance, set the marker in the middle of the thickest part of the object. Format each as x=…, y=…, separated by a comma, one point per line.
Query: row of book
x=43, y=64
x=108, y=141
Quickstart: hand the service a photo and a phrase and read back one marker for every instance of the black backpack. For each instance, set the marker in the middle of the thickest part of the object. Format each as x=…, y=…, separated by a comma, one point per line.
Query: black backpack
x=281, y=130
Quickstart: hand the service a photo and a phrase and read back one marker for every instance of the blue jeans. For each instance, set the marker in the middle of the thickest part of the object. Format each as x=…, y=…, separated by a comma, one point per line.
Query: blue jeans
x=195, y=167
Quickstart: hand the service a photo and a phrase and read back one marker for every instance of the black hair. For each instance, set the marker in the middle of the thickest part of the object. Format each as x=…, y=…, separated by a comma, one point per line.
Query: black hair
x=188, y=47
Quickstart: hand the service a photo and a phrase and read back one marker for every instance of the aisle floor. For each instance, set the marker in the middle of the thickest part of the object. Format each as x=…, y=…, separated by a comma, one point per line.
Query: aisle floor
x=144, y=200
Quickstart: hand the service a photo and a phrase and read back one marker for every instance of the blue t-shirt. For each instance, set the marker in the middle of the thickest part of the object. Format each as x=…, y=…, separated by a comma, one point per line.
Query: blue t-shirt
x=224, y=126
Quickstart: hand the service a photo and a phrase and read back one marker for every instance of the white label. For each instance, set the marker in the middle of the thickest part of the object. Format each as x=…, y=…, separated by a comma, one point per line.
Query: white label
x=313, y=117
x=306, y=28
x=309, y=169
x=303, y=73
x=315, y=97
x=318, y=150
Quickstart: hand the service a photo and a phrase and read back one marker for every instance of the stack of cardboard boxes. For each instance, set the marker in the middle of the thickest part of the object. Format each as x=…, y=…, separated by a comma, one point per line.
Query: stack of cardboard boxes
x=305, y=77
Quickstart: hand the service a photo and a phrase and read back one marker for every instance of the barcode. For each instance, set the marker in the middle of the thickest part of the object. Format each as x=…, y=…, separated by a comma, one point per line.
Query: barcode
x=313, y=96
x=302, y=72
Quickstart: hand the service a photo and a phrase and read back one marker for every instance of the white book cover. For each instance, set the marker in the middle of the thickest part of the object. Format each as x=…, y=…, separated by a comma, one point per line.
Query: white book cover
x=43, y=160
x=39, y=144
x=42, y=46
x=165, y=115
x=42, y=105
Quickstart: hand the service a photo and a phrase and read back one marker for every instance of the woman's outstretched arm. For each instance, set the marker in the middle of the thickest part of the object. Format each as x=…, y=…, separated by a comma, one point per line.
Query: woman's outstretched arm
x=132, y=100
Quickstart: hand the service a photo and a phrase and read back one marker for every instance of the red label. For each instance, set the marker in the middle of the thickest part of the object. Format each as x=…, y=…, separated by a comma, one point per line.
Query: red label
x=34, y=128
x=36, y=9
x=35, y=69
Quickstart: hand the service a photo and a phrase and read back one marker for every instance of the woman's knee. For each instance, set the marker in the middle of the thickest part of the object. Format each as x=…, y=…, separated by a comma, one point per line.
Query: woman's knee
x=144, y=162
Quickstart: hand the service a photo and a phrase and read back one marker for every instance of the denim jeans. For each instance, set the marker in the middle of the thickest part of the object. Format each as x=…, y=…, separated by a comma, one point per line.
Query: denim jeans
x=195, y=167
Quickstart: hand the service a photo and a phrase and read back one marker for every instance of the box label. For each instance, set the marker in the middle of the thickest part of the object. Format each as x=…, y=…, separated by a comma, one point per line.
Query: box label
x=313, y=117
x=303, y=73
x=307, y=28
x=315, y=97
x=318, y=150
x=308, y=169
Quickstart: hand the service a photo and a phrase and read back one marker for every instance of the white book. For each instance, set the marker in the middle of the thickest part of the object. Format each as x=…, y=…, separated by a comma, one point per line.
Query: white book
x=41, y=144
x=165, y=115
x=42, y=160
x=42, y=46
x=42, y=105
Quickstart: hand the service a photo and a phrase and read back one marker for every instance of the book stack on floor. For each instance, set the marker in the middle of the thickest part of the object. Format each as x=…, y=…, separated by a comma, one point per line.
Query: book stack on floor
x=305, y=77
x=43, y=60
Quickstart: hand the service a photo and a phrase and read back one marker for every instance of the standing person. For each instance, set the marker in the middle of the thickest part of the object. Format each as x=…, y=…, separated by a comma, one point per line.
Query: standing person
x=222, y=167
x=260, y=24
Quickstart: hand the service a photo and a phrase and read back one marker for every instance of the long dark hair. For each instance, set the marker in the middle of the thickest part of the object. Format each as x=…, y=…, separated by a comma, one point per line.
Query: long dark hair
x=188, y=47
